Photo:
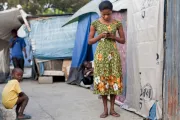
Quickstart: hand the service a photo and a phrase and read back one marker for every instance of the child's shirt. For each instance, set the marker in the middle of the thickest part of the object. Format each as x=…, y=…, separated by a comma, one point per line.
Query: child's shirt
x=10, y=94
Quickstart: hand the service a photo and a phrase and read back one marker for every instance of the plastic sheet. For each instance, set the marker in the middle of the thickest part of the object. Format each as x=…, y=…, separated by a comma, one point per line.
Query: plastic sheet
x=4, y=60
x=50, y=40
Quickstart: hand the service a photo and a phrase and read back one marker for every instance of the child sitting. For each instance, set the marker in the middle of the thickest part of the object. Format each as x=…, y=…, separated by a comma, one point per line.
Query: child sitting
x=12, y=95
x=87, y=72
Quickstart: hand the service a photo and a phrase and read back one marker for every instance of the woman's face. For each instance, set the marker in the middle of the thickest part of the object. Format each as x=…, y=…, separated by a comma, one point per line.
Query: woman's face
x=106, y=14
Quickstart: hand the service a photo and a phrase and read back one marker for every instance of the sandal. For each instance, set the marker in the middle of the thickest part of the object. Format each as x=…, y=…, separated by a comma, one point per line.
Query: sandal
x=103, y=115
x=24, y=117
x=115, y=114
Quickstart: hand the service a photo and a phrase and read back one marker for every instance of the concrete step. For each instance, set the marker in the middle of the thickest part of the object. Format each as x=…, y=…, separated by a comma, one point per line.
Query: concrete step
x=45, y=80
x=7, y=114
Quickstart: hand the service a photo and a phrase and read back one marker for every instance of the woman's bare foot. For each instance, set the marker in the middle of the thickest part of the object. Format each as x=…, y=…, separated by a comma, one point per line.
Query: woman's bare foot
x=104, y=115
x=113, y=113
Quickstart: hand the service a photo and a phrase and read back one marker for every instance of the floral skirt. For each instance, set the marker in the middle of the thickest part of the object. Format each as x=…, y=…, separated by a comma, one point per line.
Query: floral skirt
x=107, y=70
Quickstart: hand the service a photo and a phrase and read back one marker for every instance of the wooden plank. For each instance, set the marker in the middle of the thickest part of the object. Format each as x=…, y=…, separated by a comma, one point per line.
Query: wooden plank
x=53, y=65
x=66, y=68
x=47, y=65
x=38, y=69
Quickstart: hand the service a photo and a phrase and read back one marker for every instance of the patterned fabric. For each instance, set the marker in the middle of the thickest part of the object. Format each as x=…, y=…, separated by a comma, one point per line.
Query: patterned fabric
x=107, y=62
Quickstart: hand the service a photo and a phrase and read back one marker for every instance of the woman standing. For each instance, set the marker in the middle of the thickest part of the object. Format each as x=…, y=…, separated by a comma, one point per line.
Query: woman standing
x=107, y=69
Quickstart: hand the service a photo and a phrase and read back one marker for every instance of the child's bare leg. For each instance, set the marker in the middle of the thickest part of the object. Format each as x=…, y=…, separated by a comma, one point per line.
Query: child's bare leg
x=22, y=101
x=17, y=109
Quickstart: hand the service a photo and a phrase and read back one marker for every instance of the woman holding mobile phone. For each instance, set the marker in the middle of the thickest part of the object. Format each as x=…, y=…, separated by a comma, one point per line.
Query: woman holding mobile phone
x=107, y=63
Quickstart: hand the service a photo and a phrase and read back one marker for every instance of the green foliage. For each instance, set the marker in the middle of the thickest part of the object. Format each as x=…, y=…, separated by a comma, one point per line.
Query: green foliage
x=44, y=7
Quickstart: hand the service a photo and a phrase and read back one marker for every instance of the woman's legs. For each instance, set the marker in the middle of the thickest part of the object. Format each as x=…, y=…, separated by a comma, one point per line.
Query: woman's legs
x=112, y=111
x=105, y=113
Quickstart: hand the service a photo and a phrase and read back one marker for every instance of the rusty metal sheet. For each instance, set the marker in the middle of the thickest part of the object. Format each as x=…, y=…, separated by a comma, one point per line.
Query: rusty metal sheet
x=172, y=62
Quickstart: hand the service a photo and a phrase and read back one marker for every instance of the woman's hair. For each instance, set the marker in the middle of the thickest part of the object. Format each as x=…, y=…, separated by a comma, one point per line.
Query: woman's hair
x=105, y=5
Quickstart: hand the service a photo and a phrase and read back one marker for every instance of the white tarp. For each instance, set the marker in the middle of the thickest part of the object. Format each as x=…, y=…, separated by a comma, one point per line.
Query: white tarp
x=8, y=21
x=145, y=55
x=4, y=60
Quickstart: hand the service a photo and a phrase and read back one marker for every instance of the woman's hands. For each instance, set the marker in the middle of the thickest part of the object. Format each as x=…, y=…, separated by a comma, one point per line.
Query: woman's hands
x=111, y=36
x=107, y=35
x=104, y=35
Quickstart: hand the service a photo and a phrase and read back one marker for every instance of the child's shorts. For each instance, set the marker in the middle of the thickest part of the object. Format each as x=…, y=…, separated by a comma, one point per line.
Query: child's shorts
x=10, y=104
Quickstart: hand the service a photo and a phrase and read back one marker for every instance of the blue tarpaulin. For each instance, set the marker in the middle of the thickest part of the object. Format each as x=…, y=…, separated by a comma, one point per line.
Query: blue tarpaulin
x=82, y=51
x=50, y=40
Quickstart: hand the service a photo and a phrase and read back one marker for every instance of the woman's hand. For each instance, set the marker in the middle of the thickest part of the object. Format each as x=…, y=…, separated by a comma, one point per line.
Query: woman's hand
x=103, y=35
x=111, y=36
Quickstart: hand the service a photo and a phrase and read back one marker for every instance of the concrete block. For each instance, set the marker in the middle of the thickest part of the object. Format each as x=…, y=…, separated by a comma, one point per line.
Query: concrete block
x=45, y=80
x=7, y=114
x=53, y=73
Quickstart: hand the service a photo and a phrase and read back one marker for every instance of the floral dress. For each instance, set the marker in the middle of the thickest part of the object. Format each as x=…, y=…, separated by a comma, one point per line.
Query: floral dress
x=107, y=62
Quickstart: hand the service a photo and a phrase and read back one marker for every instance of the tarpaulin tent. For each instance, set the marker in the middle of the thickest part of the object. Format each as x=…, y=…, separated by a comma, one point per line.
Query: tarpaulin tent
x=82, y=51
x=92, y=7
x=49, y=40
x=142, y=90
x=8, y=21
x=52, y=44
x=145, y=55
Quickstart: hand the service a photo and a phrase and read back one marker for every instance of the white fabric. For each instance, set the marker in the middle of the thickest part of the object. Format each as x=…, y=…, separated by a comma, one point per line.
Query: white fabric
x=21, y=32
x=4, y=60
x=144, y=42
x=9, y=20
x=93, y=6
x=120, y=4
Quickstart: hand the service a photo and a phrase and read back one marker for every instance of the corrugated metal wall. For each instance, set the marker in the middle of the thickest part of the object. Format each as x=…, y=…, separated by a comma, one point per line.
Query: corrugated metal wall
x=172, y=62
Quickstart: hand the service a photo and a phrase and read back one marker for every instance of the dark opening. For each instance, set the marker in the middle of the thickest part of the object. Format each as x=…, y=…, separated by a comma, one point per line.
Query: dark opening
x=123, y=10
x=58, y=78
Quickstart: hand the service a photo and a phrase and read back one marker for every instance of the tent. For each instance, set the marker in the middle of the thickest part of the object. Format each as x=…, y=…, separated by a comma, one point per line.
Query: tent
x=8, y=21
x=82, y=51
x=49, y=40
x=52, y=44
x=139, y=85
x=117, y=6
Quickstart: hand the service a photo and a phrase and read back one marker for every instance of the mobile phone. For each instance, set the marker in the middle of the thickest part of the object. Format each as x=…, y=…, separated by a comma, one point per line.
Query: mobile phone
x=108, y=34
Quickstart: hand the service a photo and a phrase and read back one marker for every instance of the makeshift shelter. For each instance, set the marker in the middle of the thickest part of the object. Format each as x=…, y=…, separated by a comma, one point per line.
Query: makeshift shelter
x=143, y=85
x=145, y=56
x=82, y=51
x=8, y=21
x=52, y=45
